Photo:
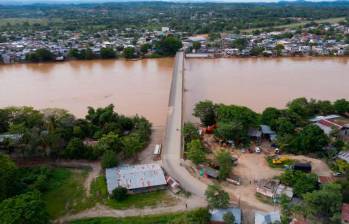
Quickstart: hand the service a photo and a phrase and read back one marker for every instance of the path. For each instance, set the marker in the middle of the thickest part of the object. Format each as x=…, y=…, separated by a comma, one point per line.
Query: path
x=104, y=211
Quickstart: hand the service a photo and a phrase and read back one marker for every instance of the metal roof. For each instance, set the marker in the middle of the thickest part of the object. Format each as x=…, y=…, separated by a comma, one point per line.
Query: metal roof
x=135, y=177
x=267, y=130
x=344, y=155
x=267, y=218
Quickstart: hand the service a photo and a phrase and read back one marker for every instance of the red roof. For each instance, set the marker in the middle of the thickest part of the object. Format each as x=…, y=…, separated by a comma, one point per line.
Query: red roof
x=326, y=179
x=330, y=124
x=345, y=212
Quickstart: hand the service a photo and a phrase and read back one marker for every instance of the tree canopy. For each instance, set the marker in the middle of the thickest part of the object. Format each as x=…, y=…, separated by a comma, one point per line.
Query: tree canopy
x=216, y=196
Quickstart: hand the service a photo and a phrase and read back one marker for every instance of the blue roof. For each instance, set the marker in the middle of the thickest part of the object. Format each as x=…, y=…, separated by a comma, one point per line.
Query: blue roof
x=217, y=214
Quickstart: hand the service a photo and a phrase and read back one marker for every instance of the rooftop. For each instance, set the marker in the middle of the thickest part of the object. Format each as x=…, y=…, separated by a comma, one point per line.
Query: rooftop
x=135, y=177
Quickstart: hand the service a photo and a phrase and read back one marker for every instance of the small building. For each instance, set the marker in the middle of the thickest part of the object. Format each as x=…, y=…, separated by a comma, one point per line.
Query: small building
x=136, y=178
x=268, y=133
x=267, y=218
x=332, y=122
x=267, y=187
x=218, y=214
x=326, y=179
x=345, y=213
x=344, y=155
x=174, y=186
x=284, y=190
x=210, y=172
x=305, y=167
x=12, y=137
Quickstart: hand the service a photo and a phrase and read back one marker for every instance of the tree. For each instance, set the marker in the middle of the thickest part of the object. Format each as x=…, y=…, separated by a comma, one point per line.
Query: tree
x=8, y=177
x=323, y=204
x=225, y=163
x=108, y=53
x=229, y=218
x=109, y=159
x=190, y=132
x=145, y=48
x=300, y=182
x=300, y=106
x=168, y=46
x=23, y=209
x=110, y=141
x=310, y=139
x=341, y=106
x=40, y=55
x=240, y=43
x=279, y=48
x=269, y=115
x=205, y=111
x=75, y=149
x=129, y=52
x=119, y=193
x=232, y=130
x=216, y=196
x=256, y=51
x=196, y=152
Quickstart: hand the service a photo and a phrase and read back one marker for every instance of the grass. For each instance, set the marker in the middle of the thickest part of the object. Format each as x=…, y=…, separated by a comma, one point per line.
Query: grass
x=151, y=219
x=100, y=194
x=15, y=21
x=281, y=165
x=66, y=193
x=298, y=24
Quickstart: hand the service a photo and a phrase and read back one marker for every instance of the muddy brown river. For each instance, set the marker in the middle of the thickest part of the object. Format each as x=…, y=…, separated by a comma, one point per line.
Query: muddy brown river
x=134, y=87
x=263, y=82
x=142, y=87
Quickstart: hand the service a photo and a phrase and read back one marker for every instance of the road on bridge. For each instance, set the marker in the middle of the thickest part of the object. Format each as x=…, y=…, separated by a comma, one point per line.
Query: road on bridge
x=172, y=150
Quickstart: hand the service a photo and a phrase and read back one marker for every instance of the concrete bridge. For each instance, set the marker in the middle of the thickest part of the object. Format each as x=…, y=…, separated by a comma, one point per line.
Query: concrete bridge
x=173, y=143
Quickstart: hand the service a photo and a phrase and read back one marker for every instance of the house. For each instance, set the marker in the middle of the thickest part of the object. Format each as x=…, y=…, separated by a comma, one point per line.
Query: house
x=267, y=187
x=136, y=178
x=210, y=172
x=268, y=133
x=283, y=190
x=345, y=213
x=218, y=214
x=332, y=122
x=12, y=137
x=344, y=155
x=326, y=179
x=267, y=218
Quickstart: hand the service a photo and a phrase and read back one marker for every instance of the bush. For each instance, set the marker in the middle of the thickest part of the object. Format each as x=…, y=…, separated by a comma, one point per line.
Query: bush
x=109, y=159
x=119, y=194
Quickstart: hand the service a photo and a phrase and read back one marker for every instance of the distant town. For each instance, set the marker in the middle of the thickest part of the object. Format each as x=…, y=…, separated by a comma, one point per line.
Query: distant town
x=312, y=40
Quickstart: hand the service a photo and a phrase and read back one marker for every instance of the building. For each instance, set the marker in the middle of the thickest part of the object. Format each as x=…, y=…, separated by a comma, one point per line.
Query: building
x=345, y=213
x=332, y=122
x=267, y=187
x=218, y=214
x=137, y=178
x=344, y=155
x=267, y=218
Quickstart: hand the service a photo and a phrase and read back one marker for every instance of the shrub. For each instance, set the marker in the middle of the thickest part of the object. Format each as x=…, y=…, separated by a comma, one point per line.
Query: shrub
x=119, y=194
x=109, y=159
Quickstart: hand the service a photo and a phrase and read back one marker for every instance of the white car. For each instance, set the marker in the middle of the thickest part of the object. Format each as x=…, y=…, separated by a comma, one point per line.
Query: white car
x=258, y=150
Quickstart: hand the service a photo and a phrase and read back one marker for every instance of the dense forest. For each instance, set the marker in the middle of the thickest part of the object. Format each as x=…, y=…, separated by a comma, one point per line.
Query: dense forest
x=186, y=17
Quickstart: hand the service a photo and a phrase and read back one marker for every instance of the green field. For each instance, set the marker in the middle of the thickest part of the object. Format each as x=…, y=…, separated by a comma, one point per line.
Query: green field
x=193, y=217
x=296, y=25
x=66, y=193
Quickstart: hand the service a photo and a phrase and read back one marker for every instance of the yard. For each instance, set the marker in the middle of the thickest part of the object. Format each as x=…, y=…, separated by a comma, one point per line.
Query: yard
x=151, y=199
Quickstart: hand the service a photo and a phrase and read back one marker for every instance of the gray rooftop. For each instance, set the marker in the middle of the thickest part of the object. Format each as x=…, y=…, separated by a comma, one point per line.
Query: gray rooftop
x=344, y=155
x=135, y=177
x=267, y=218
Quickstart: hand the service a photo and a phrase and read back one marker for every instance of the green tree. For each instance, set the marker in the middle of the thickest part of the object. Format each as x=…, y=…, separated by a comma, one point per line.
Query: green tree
x=168, y=46
x=129, y=52
x=145, y=48
x=300, y=182
x=109, y=159
x=341, y=106
x=269, y=115
x=229, y=218
x=75, y=149
x=119, y=194
x=205, y=111
x=190, y=132
x=310, y=139
x=216, y=196
x=324, y=204
x=196, y=152
x=8, y=178
x=300, y=106
x=108, y=53
x=232, y=130
x=240, y=43
x=225, y=163
x=23, y=209
x=110, y=141
x=40, y=55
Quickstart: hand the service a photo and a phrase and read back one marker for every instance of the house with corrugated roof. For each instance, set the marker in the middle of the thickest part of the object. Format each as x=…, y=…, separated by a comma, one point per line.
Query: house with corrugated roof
x=136, y=178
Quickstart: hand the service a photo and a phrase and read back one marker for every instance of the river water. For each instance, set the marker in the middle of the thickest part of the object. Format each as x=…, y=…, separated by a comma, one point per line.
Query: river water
x=134, y=87
x=263, y=82
x=142, y=87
